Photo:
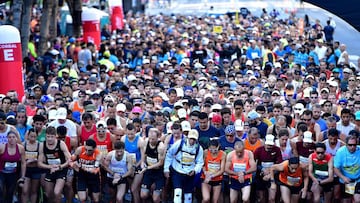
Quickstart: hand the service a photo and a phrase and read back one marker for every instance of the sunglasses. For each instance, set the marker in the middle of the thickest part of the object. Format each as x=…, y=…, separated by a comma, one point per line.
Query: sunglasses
x=229, y=135
x=306, y=119
x=317, y=152
x=352, y=145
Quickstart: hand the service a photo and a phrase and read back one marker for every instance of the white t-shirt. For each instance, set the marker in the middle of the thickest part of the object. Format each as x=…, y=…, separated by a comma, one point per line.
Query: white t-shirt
x=71, y=127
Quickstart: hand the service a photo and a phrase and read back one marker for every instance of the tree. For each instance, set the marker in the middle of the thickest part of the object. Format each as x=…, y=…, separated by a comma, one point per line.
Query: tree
x=75, y=8
x=25, y=26
x=53, y=20
x=44, y=25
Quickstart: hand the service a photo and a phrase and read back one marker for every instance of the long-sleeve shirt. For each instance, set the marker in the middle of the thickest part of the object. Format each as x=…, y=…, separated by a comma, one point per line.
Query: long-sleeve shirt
x=185, y=160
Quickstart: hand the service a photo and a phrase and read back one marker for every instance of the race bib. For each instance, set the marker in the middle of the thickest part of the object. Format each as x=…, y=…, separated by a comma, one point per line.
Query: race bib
x=321, y=174
x=54, y=161
x=31, y=155
x=293, y=180
x=266, y=164
x=350, y=188
x=10, y=166
x=151, y=161
x=304, y=160
x=213, y=167
x=133, y=157
x=187, y=158
x=103, y=149
x=239, y=167
x=86, y=167
x=119, y=171
x=254, y=55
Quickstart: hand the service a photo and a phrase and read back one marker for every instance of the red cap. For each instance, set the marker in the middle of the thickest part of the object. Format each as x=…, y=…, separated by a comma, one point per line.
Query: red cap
x=216, y=118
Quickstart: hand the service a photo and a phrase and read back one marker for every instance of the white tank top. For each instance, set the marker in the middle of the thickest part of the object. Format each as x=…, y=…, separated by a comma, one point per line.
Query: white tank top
x=286, y=154
x=119, y=167
x=330, y=150
x=3, y=135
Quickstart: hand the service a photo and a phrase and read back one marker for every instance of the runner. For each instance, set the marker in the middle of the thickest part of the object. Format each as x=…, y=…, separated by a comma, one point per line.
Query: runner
x=293, y=180
x=33, y=172
x=240, y=165
x=266, y=156
x=321, y=173
x=54, y=157
x=134, y=145
x=213, y=169
x=119, y=166
x=86, y=161
x=12, y=167
x=346, y=162
x=184, y=159
x=152, y=170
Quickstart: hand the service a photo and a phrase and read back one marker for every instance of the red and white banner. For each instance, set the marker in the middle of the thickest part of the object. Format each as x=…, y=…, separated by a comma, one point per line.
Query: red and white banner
x=11, y=74
x=91, y=27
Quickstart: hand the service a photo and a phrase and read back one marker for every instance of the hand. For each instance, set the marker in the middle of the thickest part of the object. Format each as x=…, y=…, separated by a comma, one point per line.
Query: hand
x=273, y=186
x=166, y=174
x=303, y=193
x=241, y=177
x=76, y=166
x=266, y=177
x=316, y=182
x=346, y=180
x=54, y=168
x=191, y=173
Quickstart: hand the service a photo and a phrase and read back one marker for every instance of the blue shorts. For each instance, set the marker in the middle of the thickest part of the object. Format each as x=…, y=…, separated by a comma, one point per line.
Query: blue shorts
x=34, y=173
x=151, y=177
x=183, y=181
x=236, y=185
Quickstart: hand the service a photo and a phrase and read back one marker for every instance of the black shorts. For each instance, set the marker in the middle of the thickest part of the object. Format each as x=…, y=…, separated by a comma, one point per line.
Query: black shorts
x=294, y=190
x=52, y=177
x=346, y=195
x=213, y=183
x=90, y=182
x=325, y=187
x=151, y=177
x=336, y=181
x=260, y=184
x=34, y=173
x=114, y=186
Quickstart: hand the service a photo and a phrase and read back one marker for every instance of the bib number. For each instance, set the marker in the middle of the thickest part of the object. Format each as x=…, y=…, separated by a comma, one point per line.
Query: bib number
x=350, y=188
x=293, y=180
x=304, y=160
x=10, y=166
x=187, y=158
x=239, y=167
x=151, y=161
x=213, y=167
x=54, y=161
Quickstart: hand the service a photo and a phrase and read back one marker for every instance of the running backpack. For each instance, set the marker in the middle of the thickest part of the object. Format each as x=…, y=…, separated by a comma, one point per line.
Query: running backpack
x=181, y=145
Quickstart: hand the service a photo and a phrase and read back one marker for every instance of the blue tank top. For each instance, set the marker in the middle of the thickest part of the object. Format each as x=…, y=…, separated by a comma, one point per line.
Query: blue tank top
x=132, y=147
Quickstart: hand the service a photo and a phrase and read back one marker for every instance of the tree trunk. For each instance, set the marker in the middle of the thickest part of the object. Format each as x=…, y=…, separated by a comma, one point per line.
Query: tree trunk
x=75, y=8
x=44, y=25
x=17, y=10
x=53, y=20
x=25, y=26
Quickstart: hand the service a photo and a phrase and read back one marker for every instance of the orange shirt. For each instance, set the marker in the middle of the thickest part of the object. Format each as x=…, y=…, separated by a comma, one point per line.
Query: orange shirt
x=213, y=164
x=291, y=179
x=77, y=107
x=252, y=147
x=88, y=161
x=241, y=164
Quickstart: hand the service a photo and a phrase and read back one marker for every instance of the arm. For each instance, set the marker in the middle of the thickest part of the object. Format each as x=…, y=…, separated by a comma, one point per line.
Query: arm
x=344, y=178
x=252, y=164
x=106, y=163
x=276, y=167
x=199, y=162
x=331, y=173
x=141, y=146
x=23, y=160
x=222, y=167
x=66, y=153
x=228, y=164
x=161, y=157
x=129, y=167
x=41, y=158
x=294, y=149
x=318, y=133
x=311, y=168
x=170, y=155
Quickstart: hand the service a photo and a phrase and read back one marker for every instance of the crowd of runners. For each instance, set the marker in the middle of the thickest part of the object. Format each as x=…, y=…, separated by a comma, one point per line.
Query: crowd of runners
x=174, y=109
